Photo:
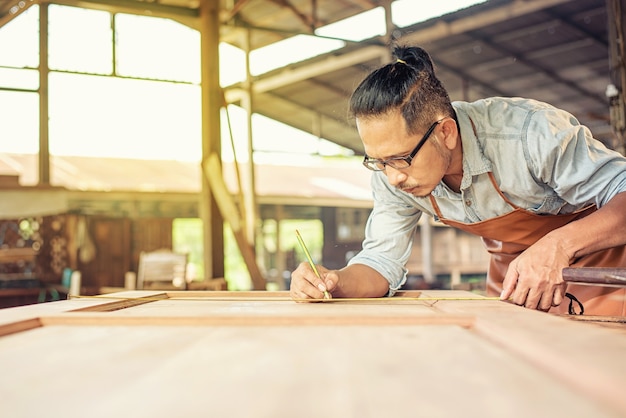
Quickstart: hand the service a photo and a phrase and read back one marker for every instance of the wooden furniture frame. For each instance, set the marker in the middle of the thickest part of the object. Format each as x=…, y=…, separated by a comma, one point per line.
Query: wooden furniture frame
x=243, y=354
x=162, y=269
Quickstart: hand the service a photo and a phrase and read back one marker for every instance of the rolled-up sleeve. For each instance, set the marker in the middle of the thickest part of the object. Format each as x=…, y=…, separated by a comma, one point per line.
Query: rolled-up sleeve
x=389, y=233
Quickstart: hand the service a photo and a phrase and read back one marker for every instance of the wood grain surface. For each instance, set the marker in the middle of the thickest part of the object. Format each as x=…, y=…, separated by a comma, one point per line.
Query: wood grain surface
x=259, y=354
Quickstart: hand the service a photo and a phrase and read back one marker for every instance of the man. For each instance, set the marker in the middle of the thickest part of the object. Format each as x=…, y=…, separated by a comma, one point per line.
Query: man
x=525, y=176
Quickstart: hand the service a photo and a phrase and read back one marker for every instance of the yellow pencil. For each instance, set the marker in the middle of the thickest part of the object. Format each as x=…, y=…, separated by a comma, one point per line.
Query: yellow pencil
x=308, y=256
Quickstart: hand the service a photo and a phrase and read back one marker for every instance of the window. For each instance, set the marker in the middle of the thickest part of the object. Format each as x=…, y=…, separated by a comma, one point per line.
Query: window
x=19, y=122
x=124, y=118
x=19, y=40
x=157, y=48
x=80, y=40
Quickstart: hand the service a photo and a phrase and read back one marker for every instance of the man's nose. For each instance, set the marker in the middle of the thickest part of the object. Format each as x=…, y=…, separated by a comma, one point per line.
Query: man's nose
x=395, y=176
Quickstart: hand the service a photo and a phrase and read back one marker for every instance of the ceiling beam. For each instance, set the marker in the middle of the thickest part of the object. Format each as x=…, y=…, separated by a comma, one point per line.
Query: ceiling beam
x=13, y=11
x=185, y=15
x=442, y=28
x=229, y=14
x=308, y=20
x=293, y=75
x=350, y=140
x=365, y=4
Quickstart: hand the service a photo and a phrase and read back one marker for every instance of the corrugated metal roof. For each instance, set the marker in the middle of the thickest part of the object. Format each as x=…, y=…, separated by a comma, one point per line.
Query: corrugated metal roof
x=345, y=181
x=555, y=51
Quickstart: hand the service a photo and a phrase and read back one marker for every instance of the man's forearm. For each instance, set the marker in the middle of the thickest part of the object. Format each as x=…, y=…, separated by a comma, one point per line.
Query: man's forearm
x=360, y=281
x=605, y=228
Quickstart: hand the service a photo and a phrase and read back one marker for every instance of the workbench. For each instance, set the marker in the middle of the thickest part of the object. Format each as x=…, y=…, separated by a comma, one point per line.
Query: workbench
x=260, y=354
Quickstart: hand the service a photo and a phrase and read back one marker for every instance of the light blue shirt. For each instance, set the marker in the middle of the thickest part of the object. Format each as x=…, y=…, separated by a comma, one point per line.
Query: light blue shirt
x=541, y=157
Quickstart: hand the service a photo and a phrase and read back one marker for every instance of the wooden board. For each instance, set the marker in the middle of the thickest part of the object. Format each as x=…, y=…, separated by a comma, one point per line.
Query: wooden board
x=259, y=354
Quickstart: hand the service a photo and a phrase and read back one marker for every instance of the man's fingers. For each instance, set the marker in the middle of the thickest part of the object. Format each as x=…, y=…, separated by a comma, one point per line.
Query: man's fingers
x=537, y=298
x=305, y=284
x=533, y=299
x=508, y=285
x=519, y=296
x=546, y=301
x=310, y=294
x=557, y=298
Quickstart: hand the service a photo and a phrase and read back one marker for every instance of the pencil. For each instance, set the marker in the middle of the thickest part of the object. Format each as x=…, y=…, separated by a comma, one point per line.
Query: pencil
x=308, y=256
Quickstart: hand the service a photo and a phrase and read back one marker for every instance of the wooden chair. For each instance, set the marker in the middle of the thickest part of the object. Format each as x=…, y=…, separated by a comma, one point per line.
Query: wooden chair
x=162, y=270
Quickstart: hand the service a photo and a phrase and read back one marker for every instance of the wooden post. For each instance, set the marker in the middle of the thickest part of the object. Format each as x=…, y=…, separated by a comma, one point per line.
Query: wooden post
x=213, y=174
x=617, y=71
x=213, y=222
x=44, y=147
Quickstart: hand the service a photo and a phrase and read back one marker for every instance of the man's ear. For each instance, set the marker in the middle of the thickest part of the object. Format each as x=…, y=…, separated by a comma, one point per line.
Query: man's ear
x=450, y=133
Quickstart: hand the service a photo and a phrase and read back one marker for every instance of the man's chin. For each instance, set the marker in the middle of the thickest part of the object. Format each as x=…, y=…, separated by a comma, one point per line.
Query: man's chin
x=416, y=191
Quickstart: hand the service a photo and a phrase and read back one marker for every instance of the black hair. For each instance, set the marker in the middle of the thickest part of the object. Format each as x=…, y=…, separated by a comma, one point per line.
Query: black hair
x=407, y=84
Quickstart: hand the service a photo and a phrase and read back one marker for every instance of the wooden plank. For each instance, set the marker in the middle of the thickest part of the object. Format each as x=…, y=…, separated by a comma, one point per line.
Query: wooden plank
x=117, y=302
x=275, y=372
x=26, y=317
x=257, y=320
x=19, y=325
x=164, y=355
x=586, y=356
x=259, y=308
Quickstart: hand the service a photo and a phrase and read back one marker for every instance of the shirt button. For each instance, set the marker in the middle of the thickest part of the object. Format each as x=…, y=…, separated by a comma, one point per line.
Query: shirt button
x=468, y=202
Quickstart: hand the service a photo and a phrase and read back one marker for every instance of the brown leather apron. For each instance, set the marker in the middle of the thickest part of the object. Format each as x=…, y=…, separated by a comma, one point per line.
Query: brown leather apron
x=507, y=236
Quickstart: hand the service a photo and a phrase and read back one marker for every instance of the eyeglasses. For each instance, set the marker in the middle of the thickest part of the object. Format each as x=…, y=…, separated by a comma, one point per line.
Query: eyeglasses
x=399, y=163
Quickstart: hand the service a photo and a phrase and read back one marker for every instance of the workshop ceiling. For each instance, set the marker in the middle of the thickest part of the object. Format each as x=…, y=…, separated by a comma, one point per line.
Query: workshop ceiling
x=555, y=51
x=550, y=50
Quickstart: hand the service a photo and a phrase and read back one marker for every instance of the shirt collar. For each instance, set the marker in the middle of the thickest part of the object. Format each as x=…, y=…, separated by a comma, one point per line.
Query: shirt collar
x=474, y=160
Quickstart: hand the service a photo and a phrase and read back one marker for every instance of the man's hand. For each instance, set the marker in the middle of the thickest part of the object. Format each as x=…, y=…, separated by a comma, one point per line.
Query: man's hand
x=306, y=285
x=534, y=279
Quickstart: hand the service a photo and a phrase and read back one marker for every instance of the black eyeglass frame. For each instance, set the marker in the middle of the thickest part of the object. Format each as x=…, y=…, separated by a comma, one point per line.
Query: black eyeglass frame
x=374, y=165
